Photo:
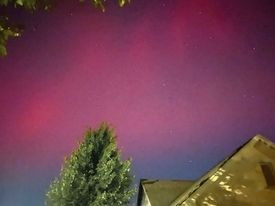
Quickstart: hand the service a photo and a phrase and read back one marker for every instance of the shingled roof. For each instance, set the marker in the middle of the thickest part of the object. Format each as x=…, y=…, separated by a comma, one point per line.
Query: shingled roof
x=246, y=177
x=162, y=192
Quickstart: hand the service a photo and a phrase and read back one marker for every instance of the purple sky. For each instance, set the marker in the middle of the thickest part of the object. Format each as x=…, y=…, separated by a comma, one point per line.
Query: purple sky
x=184, y=83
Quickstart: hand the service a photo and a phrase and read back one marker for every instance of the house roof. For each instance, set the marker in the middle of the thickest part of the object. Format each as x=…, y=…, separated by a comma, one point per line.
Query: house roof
x=246, y=177
x=256, y=149
x=162, y=192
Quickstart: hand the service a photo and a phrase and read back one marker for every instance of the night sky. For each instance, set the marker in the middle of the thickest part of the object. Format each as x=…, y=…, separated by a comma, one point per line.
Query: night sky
x=183, y=82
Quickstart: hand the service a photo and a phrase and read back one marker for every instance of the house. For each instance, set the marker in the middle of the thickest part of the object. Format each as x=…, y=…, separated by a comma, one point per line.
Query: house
x=161, y=192
x=247, y=177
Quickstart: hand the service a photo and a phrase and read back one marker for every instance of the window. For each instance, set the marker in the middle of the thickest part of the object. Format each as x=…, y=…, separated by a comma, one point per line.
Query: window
x=268, y=172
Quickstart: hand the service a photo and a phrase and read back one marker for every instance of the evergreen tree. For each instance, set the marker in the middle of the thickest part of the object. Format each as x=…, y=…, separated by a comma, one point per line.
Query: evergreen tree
x=94, y=174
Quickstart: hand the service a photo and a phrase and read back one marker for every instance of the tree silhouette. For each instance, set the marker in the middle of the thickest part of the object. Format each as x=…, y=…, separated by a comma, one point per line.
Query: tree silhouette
x=9, y=29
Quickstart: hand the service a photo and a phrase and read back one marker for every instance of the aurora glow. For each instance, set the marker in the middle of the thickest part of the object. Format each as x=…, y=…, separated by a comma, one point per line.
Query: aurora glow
x=183, y=82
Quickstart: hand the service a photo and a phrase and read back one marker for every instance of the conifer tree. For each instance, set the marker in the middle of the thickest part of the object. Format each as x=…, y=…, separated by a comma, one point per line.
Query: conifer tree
x=94, y=174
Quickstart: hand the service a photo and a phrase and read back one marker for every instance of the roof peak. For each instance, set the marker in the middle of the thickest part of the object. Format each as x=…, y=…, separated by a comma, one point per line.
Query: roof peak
x=252, y=141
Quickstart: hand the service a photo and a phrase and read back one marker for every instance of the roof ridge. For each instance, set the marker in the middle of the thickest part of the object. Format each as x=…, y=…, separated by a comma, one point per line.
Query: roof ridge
x=183, y=197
